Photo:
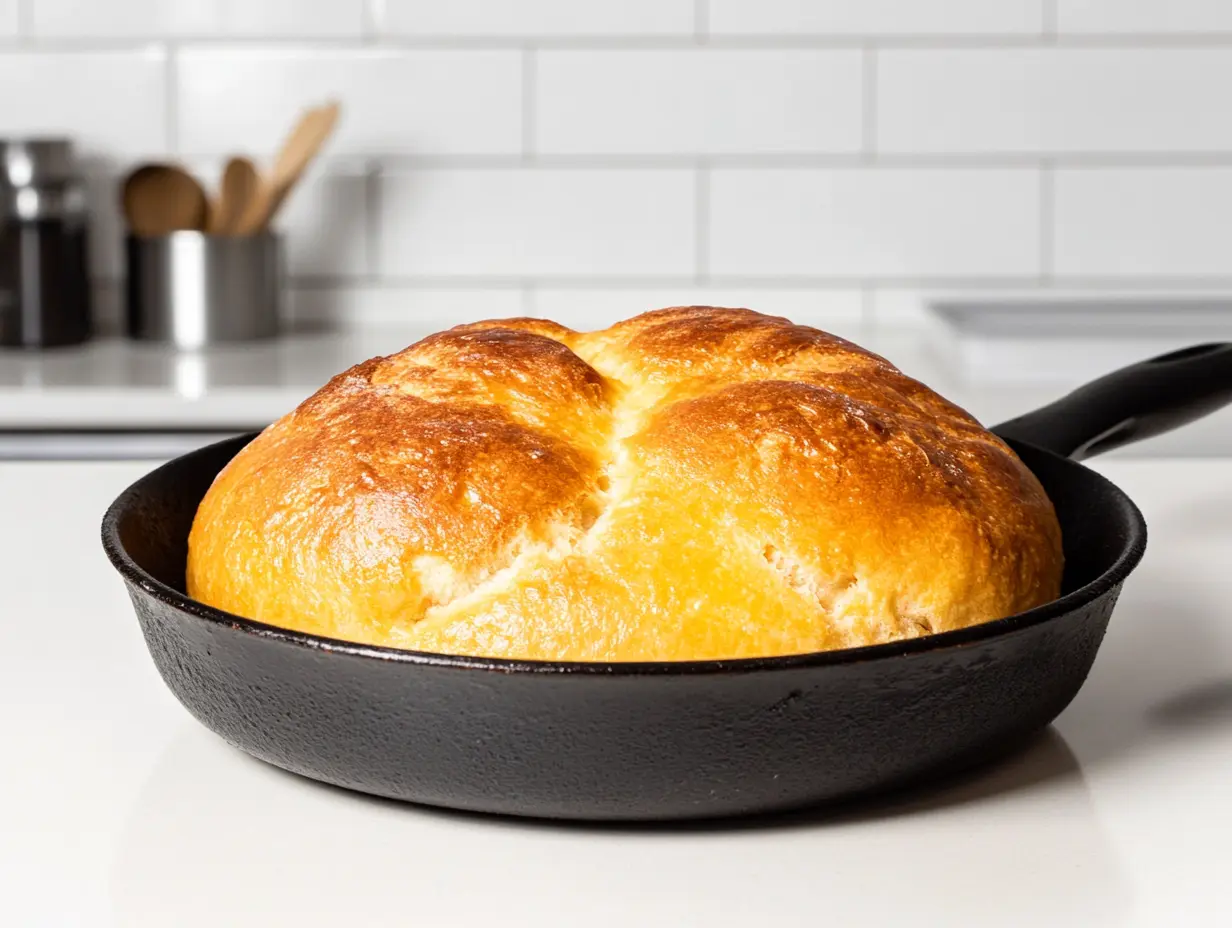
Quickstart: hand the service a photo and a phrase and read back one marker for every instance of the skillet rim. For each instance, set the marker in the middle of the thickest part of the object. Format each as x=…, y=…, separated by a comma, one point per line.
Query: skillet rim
x=1124, y=564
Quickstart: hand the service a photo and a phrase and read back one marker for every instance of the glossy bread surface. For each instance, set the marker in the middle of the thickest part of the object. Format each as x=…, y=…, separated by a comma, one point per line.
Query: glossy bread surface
x=692, y=483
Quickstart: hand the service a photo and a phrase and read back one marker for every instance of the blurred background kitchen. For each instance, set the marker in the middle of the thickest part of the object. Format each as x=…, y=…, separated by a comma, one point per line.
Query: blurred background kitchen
x=1004, y=196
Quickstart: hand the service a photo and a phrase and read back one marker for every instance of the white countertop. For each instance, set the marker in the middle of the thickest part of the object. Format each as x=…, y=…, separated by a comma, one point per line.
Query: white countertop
x=117, y=808
x=117, y=384
x=112, y=382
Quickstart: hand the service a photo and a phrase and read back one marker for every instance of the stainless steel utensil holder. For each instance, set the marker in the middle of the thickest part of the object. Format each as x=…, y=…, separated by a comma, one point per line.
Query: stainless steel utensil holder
x=190, y=289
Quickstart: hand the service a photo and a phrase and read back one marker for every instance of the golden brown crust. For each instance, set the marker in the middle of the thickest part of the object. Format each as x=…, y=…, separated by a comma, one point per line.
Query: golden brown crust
x=690, y=483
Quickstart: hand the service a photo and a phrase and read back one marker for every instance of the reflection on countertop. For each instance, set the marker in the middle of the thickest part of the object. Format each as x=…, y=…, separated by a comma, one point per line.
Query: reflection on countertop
x=120, y=383
x=261, y=844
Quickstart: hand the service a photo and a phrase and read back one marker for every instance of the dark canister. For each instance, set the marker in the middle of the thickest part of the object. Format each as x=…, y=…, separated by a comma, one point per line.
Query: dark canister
x=44, y=268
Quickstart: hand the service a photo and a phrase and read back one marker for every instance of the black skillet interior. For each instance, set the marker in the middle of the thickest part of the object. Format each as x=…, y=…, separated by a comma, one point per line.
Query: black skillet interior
x=660, y=741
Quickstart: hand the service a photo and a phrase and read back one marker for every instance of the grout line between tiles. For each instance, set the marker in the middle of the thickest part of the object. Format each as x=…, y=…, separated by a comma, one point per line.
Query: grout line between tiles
x=362, y=41
x=373, y=16
x=25, y=21
x=701, y=221
x=530, y=80
x=701, y=21
x=1147, y=286
x=1047, y=211
x=778, y=282
x=372, y=223
x=1048, y=14
x=868, y=319
x=869, y=103
x=940, y=42
x=781, y=161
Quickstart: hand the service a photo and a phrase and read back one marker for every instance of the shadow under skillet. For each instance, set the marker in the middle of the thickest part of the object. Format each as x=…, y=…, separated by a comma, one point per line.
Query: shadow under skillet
x=1044, y=758
x=1159, y=669
x=1202, y=706
x=217, y=837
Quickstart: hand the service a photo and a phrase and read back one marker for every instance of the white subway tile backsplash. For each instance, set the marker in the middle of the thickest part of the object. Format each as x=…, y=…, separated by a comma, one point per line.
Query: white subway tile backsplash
x=537, y=222
x=1144, y=16
x=841, y=163
x=1143, y=222
x=535, y=17
x=839, y=311
x=874, y=222
x=1057, y=100
x=326, y=227
x=110, y=102
x=394, y=100
x=435, y=308
x=155, y=18
x=702, y=101
x=875, y=17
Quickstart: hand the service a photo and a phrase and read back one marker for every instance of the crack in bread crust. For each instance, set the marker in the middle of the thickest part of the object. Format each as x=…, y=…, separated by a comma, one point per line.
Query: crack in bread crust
x=693, y=482
x=628, y=409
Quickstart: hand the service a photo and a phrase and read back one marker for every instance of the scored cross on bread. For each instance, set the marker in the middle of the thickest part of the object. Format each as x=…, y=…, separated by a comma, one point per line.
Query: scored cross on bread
x=691, y=483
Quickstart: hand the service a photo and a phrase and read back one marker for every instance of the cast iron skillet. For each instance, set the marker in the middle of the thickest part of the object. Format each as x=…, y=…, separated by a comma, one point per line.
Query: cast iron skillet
x=664, y=740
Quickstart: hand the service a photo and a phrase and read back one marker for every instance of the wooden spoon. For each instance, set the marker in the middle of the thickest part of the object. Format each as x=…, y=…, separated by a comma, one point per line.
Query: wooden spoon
x=163, y=198
x=301, y=146
x=236, y=192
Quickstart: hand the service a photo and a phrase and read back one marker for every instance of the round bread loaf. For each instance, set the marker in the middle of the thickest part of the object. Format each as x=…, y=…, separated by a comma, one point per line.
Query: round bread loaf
x=690, y=483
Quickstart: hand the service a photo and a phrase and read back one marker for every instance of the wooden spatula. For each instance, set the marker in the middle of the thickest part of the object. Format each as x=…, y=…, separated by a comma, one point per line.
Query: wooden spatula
x=301, y=146
x=236, y=191
x=163, y=198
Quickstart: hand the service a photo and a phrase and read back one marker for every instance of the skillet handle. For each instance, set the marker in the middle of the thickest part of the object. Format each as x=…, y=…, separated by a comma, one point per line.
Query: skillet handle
x=1136, y=402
